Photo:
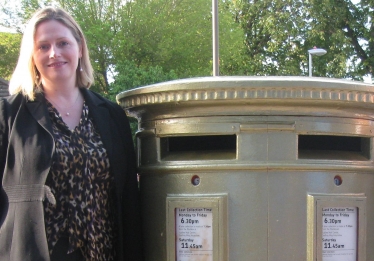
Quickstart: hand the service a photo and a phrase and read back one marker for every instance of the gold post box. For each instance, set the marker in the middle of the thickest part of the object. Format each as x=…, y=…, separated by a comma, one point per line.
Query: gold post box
x=255, y=168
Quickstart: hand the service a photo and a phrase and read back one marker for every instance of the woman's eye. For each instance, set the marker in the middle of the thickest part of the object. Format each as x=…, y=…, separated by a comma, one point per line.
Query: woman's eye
x=62, y=44
x=43, y=47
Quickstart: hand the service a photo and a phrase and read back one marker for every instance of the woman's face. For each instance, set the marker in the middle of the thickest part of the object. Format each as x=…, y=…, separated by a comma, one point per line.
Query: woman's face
x=56, y=54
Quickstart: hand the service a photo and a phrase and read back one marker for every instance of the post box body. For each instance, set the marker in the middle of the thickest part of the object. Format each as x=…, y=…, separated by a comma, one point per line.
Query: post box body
x=255, y=168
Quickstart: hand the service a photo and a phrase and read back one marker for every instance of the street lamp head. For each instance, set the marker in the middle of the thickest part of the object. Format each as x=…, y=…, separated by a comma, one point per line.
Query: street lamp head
x=317, y=51
x=314, y=51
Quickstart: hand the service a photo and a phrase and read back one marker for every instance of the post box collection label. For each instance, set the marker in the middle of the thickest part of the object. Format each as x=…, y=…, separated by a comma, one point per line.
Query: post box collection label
x=194, y=234
x=339, y=234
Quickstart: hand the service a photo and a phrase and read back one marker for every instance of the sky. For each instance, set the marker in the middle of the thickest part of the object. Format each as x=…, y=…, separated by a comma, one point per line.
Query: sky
x=13, y=4
x=7, y=30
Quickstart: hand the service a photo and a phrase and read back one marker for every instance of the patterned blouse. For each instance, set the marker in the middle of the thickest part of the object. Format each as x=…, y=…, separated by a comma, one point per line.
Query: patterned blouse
x=84, y=190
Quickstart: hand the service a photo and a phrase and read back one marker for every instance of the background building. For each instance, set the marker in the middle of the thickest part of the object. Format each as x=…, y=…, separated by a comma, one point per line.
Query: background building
x=3, y=87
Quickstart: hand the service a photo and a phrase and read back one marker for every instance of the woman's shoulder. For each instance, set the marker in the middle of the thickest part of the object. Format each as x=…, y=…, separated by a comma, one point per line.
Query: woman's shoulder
x=18, y=97
x=9, y=106
x=12, y=101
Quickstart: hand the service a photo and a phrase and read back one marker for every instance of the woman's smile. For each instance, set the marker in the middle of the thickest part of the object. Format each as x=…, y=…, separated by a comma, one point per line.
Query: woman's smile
x=57, y=64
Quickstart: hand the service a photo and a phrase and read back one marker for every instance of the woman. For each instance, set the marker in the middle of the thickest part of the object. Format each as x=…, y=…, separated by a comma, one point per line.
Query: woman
x=67, y=165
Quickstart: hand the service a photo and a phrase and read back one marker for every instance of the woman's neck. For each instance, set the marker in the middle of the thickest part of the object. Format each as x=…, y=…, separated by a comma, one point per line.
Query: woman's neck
x=64, y=94
x=58, y=88
x=68, y=103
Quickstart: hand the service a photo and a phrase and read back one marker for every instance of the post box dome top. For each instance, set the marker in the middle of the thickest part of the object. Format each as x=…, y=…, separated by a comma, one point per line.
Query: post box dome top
x=246, y=82
x=267, y=90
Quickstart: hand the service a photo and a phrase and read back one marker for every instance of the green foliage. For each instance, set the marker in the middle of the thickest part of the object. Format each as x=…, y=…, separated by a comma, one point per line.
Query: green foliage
x=279, y=33
x=274, y=32
x=347, y=31
x=129, y=76
x=9, y=50
x=175, y=35
x=28, y=7
x=267, y=37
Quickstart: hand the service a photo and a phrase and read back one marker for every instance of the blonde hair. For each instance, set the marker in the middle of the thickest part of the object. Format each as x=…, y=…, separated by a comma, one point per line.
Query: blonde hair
x=26, y=78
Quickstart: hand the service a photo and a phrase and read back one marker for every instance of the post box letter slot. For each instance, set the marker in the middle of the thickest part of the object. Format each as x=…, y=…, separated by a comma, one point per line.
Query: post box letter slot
x=211, y=147
x=333, y=147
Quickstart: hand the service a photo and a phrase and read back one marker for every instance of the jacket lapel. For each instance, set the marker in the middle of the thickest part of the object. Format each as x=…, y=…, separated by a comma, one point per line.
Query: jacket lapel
x=97, y=109
x=39, y=111
x=101, y=117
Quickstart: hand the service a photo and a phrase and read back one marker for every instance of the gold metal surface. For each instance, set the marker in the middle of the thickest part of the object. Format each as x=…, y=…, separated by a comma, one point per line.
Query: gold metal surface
x=272, y=145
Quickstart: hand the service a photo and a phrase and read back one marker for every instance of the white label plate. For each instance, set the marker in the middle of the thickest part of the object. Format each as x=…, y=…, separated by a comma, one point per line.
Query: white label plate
x=339, y=234
x=194, y=234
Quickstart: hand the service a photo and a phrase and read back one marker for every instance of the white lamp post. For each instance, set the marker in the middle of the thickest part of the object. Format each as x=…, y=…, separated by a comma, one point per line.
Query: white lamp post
x=314, y=51
x=215, y=38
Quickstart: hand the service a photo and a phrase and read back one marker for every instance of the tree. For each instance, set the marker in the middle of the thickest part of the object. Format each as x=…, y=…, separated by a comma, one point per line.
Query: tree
x=176, y=35
x=129, y=75
x=100, y=21
x=9, y=50
x=274, y=37
x=172, y=34
x=257, y=37
x=279, y=33
x=348, y=28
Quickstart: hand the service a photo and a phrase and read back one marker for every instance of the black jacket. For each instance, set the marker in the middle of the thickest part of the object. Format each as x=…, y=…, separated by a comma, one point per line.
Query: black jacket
x=26, y=150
